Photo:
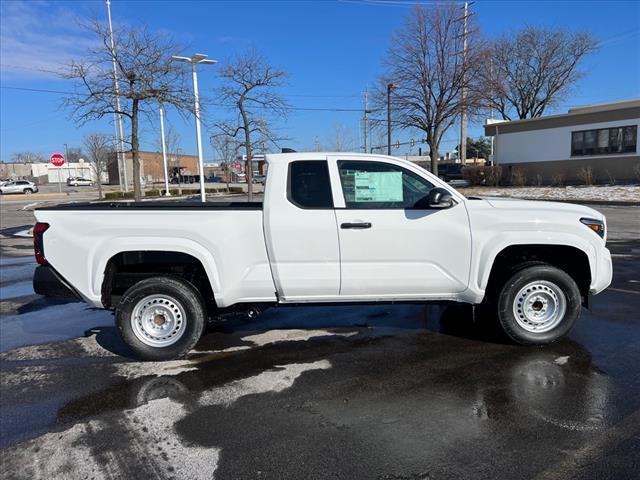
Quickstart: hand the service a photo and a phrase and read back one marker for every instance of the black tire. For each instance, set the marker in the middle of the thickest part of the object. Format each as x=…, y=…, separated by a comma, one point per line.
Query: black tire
x=27, y=191
x=550, y=284
x=194, y=317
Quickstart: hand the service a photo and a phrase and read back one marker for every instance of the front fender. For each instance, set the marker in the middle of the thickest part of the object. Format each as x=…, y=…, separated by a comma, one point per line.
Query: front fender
x=495, y=244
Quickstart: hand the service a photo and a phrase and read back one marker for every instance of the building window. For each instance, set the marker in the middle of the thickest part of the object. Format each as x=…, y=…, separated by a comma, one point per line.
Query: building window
x=604, y=141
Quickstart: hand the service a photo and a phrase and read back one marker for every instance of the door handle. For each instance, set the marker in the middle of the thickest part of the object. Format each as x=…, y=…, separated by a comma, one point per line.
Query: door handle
x=359, y=225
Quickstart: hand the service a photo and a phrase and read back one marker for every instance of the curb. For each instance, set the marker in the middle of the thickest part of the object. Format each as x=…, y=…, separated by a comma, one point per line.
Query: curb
x=36, y=195
x=611, y=203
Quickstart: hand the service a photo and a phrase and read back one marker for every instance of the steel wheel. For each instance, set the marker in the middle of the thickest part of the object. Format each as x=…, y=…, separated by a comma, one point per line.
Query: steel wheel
x=158, y=320
x=539, y=306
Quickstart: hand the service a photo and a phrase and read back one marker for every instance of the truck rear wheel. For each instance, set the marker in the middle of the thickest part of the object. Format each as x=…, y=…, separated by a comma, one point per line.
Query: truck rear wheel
x=161, y=318
x=538, y=304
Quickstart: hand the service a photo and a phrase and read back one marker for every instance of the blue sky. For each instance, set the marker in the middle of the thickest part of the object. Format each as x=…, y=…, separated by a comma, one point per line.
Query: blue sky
x=332, y=51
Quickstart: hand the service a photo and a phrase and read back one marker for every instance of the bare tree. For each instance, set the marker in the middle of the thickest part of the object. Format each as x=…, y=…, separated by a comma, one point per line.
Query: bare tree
x=427, y=70
x=226, y=149
x=147, y=77
x=250, y=86
x=99, y=148
x=533, y=69
x=28, y=157
x=342, y=139
x=74, y=154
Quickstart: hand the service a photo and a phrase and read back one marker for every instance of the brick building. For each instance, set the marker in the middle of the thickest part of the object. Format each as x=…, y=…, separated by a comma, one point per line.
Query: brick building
x=152, y=168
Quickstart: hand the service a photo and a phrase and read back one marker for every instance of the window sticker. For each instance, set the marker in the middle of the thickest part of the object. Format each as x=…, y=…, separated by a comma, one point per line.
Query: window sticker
x=378, y=187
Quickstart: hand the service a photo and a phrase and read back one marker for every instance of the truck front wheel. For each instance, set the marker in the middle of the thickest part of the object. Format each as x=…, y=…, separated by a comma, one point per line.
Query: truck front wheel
x=161, y=318
x=538, y=304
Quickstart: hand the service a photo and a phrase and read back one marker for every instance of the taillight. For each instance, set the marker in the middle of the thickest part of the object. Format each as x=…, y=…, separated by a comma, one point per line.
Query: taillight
x=38, y=243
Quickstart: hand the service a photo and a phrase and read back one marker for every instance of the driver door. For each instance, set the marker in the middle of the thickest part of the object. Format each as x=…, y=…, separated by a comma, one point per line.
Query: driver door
x=391, y=245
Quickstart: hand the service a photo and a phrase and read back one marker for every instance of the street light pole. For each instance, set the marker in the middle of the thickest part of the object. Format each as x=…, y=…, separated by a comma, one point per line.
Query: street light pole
x=390, y=87
x=117, y=116
x=194, y=60
x=164, y=154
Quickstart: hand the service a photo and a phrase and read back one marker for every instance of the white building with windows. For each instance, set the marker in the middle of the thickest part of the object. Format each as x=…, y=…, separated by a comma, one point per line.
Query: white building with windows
x=600, y=138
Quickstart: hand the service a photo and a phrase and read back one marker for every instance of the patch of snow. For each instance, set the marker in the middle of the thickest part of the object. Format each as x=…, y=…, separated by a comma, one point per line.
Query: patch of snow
x=269, y=381
x=33, y=375
x=131, y=370
x=31, y=206
x=290, y=335
x=561, y=360
x=622, y=193
x=149, y=441
x=28, y=233
x=79, y=452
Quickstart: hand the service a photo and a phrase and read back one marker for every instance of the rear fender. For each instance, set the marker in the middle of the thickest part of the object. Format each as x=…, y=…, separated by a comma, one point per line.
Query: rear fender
x=103, y=252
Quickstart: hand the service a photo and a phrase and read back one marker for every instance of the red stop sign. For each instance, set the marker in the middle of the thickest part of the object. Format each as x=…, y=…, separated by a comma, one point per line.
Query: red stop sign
x=57, y=160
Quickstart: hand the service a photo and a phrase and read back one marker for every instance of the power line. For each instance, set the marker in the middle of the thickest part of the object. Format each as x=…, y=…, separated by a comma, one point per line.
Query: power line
x=309, y=109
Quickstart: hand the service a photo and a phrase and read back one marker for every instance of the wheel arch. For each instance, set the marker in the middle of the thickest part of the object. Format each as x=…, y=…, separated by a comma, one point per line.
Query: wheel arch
x=571, y=259
x=127, y=267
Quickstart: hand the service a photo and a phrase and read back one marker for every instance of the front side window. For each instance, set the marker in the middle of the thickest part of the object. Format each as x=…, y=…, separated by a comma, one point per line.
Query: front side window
x=309, y=185
x=375, y=185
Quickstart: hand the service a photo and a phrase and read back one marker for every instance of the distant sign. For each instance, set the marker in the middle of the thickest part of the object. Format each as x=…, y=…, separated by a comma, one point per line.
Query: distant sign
x=57, y=160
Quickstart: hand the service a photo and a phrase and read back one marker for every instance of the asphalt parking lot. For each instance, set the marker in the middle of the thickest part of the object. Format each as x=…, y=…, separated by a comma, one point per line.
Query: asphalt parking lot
x=375, y=392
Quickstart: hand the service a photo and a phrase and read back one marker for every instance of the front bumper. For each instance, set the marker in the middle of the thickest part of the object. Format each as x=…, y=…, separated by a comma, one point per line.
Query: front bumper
x=48, y=282
x=604, y=272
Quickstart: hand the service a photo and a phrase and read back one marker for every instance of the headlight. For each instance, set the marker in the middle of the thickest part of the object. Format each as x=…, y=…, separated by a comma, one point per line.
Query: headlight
x=595, y=225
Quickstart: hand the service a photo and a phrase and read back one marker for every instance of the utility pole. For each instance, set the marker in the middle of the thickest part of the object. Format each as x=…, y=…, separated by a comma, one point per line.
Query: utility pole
x=117, y=117
x=365, y=120
x=390, y=87
x=462, y=151
x=66, y=156
x=164, y=154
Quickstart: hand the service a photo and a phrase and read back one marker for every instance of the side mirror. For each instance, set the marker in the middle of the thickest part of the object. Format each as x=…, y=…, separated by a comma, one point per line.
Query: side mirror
x=440, y=198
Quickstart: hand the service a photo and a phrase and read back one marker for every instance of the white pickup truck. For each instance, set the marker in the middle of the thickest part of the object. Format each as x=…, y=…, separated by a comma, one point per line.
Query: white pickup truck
x=332, y=227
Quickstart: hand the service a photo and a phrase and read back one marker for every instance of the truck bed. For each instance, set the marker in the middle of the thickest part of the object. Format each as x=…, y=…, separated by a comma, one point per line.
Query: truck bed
x=226, y=238
x=157, y=205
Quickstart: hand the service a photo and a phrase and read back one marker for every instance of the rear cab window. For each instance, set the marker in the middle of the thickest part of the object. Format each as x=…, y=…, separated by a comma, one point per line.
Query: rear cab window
x=309, y=185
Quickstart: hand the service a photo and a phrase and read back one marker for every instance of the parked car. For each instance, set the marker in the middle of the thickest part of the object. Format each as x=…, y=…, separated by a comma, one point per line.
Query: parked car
x=18, y=186
x=79, y=182
x=215, y=179
x=259, y=179
x=185, y=179
x=450, y=171
x=332, y=228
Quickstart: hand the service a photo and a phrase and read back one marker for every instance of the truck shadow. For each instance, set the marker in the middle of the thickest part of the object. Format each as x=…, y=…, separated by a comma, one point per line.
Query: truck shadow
x=457, y=320
x=454, y=320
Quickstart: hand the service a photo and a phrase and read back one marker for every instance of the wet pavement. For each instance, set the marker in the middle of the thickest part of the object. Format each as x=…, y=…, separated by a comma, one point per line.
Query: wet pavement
x=380, y=392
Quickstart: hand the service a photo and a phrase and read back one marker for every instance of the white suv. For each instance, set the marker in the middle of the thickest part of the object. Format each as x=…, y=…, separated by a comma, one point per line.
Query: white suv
x=19, y=186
